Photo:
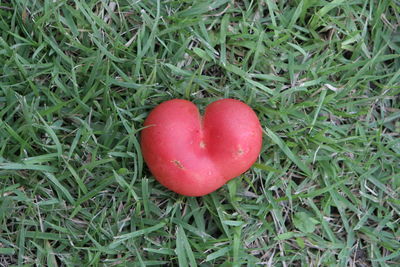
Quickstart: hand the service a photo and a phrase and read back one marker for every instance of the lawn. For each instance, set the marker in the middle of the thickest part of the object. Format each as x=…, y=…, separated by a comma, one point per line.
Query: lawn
x=78, y=78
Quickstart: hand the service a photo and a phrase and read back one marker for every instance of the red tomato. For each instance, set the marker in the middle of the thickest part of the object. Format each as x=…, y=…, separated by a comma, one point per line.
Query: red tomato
x=194, y=155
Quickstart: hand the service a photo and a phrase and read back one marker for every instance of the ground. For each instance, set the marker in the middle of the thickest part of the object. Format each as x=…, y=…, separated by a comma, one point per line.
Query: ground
x=78, y=78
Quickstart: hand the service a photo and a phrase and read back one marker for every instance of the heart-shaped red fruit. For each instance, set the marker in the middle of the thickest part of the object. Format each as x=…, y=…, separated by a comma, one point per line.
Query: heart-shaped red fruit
x=194, y=155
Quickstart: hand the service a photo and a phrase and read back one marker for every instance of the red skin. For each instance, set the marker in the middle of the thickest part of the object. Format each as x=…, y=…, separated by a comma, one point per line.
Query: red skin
x=194, y=155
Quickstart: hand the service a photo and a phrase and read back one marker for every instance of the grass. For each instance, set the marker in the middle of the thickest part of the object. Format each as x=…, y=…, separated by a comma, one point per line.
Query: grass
x=78, y=78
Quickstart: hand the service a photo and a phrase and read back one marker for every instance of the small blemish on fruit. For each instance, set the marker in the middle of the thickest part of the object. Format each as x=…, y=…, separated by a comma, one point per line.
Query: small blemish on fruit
x=240, y=151
x=202, y=144
x=177, y=163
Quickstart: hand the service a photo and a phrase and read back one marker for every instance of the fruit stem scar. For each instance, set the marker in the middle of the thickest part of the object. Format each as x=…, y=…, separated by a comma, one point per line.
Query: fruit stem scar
x=202, y=132
x=177, y=163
